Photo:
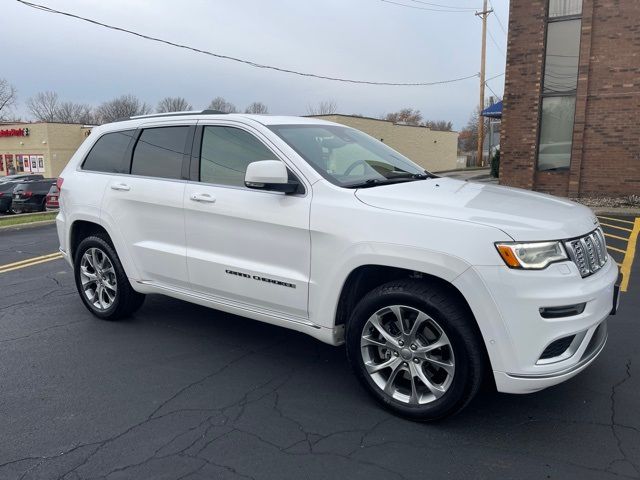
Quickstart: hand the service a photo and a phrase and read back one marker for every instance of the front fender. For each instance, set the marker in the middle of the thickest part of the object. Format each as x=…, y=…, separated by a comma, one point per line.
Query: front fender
x=328, y=278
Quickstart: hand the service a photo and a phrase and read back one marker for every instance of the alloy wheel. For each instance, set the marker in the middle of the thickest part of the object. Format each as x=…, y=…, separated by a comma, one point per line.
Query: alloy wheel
x=98, y=279
x=407, y=355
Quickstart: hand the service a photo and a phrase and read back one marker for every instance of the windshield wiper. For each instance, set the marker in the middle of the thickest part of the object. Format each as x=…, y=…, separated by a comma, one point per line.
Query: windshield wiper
x=374, y=182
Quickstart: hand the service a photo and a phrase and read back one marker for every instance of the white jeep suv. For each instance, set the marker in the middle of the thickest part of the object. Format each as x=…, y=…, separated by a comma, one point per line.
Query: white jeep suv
x=432, y=283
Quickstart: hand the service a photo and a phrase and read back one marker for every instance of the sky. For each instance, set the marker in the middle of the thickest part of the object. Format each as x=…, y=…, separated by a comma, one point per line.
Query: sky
x=369, y=40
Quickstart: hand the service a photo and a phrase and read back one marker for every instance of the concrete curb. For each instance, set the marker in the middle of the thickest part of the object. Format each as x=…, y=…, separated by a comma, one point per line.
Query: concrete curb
x=462, y=170
x=634, y=211
x=27, y=225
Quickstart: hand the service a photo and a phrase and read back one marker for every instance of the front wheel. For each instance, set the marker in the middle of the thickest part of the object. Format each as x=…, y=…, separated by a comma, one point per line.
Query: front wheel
x=416, y=349
x=101, y=281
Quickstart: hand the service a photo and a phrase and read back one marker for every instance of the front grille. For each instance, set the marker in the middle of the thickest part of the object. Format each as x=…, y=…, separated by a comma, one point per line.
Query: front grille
x=557, y=348
x=589, y=253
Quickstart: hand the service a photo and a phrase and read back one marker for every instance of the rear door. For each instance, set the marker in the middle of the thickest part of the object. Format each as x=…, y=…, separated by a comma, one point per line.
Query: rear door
x=146, y=205
x=248, y=246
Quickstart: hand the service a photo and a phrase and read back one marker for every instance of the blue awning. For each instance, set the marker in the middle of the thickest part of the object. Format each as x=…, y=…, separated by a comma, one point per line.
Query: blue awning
x=493, y=111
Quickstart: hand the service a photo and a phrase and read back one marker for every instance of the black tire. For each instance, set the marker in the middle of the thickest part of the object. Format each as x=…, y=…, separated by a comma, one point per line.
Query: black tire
x=445, y=307
x=127, y=300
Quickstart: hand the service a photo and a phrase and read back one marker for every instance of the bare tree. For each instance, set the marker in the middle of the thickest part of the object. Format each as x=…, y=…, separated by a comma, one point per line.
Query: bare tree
x=70, y=112
x=44, y=106
x=407, y=116
x=257, y=107
x=47, y=107
x=439, y=125
x=222, y=105
x=121, y=107
x=469, y=134
x=173, y=104
x=8, y=97
x=326, y=107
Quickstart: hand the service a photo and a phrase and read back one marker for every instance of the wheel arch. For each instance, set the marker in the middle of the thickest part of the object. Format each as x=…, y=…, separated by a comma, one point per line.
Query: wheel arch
x=365, y=278
x=82, y=228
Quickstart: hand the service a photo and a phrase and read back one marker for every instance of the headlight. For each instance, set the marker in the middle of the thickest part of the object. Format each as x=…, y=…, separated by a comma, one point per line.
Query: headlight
x=531, y=256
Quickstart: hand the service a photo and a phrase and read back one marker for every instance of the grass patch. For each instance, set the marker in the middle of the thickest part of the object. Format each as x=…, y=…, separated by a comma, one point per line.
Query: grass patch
x=11, y=220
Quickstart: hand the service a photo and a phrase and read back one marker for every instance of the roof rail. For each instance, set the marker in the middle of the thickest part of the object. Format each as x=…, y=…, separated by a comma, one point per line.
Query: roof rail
x=172, y=114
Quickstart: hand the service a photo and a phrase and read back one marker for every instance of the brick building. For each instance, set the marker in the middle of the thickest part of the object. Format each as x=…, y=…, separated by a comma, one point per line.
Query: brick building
x=571, y=118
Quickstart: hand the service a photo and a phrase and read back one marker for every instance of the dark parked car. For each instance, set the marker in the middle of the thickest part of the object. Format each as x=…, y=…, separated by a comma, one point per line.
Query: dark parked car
x=31, y=196
x=6, y=192
x=52, y=198
x=21, y=177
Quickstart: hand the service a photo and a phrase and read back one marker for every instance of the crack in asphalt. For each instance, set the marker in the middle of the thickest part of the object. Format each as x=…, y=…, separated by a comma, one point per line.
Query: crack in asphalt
x=37, y=332
x=615, y=424
x=152, y=416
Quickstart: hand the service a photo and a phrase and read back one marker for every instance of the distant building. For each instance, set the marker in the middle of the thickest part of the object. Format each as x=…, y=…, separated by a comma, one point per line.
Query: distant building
x=38, y=147
x=431, y=149
x=570, y=122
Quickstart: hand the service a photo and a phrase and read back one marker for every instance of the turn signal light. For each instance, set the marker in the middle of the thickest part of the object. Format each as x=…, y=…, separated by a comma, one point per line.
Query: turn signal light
x=508, y=256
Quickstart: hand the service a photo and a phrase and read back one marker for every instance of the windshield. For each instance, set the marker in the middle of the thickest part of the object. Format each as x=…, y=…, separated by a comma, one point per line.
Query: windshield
x=348, y=157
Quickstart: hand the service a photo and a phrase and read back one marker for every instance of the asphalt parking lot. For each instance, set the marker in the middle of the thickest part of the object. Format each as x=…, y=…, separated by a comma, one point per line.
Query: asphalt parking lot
x=180, y=391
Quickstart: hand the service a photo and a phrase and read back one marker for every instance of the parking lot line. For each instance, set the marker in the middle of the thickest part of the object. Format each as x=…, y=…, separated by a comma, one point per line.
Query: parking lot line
x=627, y=262
x=617, y=220
x=9, y=267
x=617, y=227
x=616, y=237
x=619, y=250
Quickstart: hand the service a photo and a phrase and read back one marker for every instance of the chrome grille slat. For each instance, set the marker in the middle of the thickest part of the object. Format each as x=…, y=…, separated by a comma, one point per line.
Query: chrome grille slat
x=589, y=252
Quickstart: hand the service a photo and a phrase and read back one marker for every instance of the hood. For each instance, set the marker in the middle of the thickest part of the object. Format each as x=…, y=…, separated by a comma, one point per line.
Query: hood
x=521, y=214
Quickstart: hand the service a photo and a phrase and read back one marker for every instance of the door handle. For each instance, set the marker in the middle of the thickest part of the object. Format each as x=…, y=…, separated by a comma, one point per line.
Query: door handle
x=121, y=186
x=203, y=197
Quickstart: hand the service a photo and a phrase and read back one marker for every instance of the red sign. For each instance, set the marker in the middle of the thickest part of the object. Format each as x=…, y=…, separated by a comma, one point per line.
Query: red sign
x=15, y=132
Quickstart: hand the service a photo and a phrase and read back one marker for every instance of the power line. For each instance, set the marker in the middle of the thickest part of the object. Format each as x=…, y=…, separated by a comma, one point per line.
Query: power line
x=240, y=60
x=498, y=18
x=495, y=42
x=492, y=91
x=470, y=9
x=495, y=76
x=420, y=8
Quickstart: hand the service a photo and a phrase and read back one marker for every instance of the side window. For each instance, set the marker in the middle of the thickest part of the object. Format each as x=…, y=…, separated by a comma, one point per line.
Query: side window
x=225, y=154
x=159, y=152
x=107, y=155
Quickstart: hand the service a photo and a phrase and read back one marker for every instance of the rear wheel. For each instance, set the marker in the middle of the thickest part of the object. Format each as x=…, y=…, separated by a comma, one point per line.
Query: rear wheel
x=416, y=349
x=101, y=281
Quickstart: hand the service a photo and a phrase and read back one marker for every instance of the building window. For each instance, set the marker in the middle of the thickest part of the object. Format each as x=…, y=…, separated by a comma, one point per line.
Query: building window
x=560, y=84
x=564, y=8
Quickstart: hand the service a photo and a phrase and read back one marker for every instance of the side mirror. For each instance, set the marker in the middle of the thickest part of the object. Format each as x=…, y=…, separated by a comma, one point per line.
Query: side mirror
x=269, y=175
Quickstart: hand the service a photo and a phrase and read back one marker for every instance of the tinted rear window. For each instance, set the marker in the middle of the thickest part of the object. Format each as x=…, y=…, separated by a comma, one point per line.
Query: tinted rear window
x=36, y=187
x=107, y=155
x=159, y=152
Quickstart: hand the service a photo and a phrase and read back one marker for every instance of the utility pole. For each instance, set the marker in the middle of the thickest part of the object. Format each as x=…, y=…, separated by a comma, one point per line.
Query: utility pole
x=483, y=14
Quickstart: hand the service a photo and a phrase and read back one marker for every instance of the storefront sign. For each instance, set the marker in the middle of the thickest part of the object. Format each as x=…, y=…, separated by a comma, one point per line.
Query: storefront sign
x=14, y=132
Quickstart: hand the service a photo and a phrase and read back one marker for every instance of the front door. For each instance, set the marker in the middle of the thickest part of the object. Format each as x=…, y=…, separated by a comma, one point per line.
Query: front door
x=248, y=246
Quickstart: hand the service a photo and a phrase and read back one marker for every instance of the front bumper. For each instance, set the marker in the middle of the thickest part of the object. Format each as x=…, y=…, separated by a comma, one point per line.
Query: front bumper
x=509, y=383
x=507, y=307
